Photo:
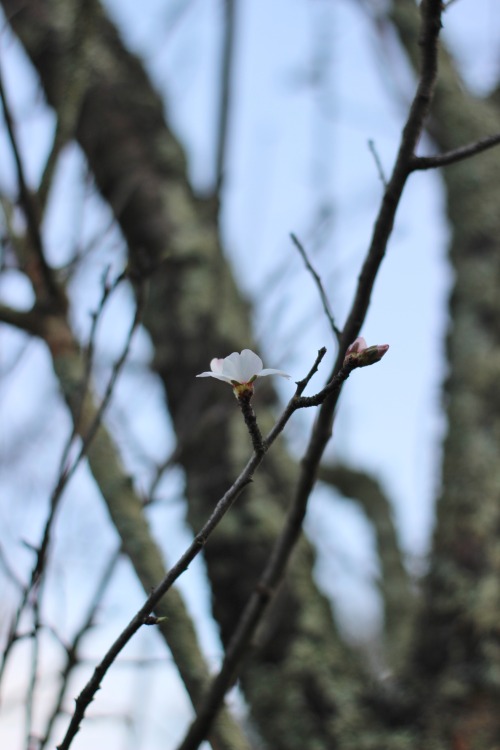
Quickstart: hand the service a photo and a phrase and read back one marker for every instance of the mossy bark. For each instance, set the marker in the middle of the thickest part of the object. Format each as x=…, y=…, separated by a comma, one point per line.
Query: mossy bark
x=457, y=655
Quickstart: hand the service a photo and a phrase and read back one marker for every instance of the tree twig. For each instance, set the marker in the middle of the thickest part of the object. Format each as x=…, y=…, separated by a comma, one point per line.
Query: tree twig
x=378, y=162
x=457, y=154
x=225, y=92
x=72, y=656
x=319, y=284
x=431, y=24
x=65, y=475
x=222, y=507
x=50, y=290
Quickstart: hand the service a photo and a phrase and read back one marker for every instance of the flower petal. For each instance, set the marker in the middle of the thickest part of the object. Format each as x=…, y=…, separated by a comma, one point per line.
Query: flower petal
x=214, y=375
x=217, y=365
x=250, y=365
x=231, y=367
x=270, y=371
x=240, y=369
x=358, y=345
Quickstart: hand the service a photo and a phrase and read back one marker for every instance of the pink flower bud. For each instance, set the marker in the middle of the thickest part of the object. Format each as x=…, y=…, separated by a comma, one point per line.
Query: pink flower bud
x=372, y=354
x=357, y=346
x=362, y=355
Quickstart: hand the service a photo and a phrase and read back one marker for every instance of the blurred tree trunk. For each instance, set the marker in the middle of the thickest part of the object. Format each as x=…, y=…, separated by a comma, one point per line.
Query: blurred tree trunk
x=457, y=657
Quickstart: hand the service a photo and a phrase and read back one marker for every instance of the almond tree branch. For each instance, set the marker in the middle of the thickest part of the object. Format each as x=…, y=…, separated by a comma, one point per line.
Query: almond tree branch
x=47, y=288
x=457, y=154
x=127, y=513
x=72, y=649
x=29, y=321
x=378, y=162
x=431, y=24
x=87, y=438
x=67, y=472
x=319, y=284
x=430, y=28
x=205, y=714
x=263, y=592
x=225, y=92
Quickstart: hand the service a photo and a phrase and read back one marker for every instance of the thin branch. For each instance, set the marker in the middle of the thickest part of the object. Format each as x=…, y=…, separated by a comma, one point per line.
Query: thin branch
x=30, y=321
x=72, y=657
x=10, y=572
x=378, y=162
x=244, y=400
x=431, y=24
x=32, y=683
x=319, y=284
x=86, y=440
x=107, y=289
x=272, y=575
x=50, y=288
x=457, y=154
x=64, y=477
x=222, y=507
x=225, y=92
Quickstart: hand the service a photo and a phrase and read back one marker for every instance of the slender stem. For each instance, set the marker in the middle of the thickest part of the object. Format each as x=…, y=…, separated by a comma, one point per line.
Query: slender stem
x=225, y=91
x=431, y=24
x=457, y=154
x=220, y=510
x=319, y=284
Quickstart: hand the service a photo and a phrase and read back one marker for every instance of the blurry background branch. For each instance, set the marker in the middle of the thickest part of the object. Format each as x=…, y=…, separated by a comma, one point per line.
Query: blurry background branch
x=395, y=583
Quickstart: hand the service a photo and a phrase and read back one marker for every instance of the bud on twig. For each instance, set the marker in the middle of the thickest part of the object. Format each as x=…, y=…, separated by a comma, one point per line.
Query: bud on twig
x=363, y=355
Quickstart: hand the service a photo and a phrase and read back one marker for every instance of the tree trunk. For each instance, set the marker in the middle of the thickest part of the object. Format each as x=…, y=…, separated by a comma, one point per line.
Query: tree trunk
x=457, y=654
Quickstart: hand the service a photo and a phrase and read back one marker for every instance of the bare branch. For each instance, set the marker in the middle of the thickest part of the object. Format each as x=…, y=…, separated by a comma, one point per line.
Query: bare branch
x=30, y=321
x=48, y=288
x=378, y=163
x=457, y=154
x=225, y=91
x=65, y=476
x=284, y=545
x=32, y=682
x=431, y=24
x=87, y=438
x=319, y=284
x=72, y=656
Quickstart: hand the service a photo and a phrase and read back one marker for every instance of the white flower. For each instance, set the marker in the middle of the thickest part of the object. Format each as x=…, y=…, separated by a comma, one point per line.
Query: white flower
x=239, y=369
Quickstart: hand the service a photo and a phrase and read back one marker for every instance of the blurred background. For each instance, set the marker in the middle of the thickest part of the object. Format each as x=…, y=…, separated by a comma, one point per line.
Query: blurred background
x=319, y=93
